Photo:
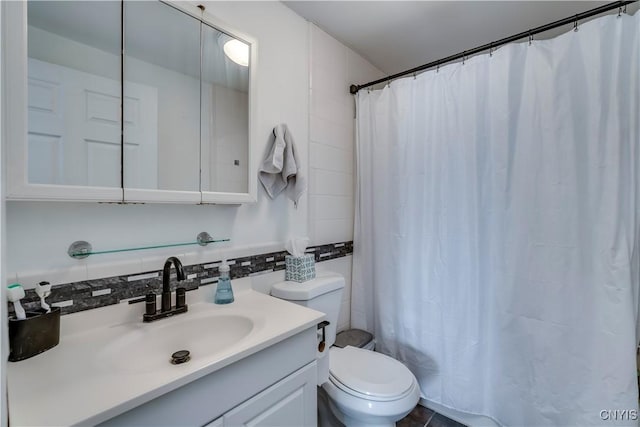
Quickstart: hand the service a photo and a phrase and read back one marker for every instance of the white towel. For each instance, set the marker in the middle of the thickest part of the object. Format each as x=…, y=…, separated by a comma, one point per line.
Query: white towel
x=281, y=168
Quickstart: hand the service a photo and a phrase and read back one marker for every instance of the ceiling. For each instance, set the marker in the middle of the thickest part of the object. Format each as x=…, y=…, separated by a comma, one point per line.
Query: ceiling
x=399, y=35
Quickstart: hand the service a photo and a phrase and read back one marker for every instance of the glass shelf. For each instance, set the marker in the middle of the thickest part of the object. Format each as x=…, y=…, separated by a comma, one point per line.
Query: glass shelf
x=81, y=249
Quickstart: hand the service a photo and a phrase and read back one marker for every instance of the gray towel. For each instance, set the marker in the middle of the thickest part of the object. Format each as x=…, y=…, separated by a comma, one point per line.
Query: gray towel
x=281, y=168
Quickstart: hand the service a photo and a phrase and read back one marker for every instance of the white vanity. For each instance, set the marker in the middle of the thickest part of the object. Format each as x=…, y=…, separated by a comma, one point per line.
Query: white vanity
x=252, y=361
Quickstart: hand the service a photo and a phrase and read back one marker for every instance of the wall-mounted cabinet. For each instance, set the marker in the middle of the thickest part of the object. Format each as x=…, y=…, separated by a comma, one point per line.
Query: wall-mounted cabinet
x=127, y=102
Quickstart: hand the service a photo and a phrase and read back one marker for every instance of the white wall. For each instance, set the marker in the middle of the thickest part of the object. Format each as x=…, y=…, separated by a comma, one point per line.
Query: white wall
x=332, y=143
x=40, y=233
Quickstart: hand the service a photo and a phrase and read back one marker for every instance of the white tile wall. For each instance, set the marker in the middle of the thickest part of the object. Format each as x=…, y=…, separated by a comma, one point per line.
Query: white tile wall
x=332, y=207
x=332, y=134
x=331, y=158
x=335, y=109
x=327, y=51
x=334, y=67
x=325, y=182
x=334, y=230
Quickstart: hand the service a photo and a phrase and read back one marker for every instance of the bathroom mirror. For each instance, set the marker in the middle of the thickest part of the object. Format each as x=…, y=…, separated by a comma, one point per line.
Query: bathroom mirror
x=162, y=97
x=225, y=112
x=135, y=101
x=73, y=103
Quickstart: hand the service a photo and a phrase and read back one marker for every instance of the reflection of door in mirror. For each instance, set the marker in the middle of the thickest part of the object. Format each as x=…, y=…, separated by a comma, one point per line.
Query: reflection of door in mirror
x=162, y=52
x=225, y=113
x=74, y=120
x=74, y=93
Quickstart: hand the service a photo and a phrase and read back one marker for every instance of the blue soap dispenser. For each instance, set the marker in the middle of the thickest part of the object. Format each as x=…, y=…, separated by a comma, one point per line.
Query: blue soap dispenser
x=224, y=293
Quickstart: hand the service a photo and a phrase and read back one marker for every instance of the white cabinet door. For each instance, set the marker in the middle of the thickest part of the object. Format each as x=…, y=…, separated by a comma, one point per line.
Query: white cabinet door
x=36, y=127
x=290, y=402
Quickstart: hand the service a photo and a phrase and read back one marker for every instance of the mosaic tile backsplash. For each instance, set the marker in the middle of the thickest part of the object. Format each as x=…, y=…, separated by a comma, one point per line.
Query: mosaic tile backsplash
x=89, y=294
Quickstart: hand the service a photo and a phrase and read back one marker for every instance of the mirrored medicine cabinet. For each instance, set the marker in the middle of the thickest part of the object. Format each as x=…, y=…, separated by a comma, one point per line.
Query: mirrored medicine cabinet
x=134, y=101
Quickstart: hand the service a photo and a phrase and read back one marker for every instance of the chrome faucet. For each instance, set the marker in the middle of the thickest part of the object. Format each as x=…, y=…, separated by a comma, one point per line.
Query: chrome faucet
x=166, y=280
x=167, y=310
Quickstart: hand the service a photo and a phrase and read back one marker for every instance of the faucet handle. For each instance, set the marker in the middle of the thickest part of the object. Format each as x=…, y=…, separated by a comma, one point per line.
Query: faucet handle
x=150, y=304
x=181, y=299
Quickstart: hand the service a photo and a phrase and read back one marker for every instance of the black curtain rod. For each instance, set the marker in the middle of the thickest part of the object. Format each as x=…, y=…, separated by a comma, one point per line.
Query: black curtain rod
x=490, y=46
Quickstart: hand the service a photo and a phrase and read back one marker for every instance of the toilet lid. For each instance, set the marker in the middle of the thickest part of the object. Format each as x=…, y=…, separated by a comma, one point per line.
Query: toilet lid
x=369, y=373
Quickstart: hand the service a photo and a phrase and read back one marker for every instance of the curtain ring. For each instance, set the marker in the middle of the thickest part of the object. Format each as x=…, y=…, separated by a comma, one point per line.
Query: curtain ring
x=438, y=68
x=389, y=82
x=624, y=10
x=414, y=76
x=620, y=12
x=530, y=38
x=575, y=24
x=464, y=57
x=490, y=49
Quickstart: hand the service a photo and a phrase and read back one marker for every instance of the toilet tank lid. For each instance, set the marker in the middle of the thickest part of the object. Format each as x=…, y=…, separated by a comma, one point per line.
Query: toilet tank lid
x=323, y=283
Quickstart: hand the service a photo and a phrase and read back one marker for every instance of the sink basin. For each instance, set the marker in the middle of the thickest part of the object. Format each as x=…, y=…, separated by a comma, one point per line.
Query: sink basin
x=147, y=347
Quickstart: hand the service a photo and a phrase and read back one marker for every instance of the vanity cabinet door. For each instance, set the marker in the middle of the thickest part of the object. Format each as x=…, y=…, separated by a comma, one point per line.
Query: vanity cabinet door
x=290, y=402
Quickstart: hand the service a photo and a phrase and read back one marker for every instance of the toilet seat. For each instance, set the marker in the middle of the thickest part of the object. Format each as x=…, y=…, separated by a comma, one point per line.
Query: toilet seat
x=369, y=375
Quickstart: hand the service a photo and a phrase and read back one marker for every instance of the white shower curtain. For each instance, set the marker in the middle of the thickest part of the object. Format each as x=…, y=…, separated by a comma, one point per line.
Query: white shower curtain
x=497, y=228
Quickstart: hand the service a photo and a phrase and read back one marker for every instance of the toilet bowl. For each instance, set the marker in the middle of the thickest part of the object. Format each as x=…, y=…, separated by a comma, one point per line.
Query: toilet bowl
x=363, y=388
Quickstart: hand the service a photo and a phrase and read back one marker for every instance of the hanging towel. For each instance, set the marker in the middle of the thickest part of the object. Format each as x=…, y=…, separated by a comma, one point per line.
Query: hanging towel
x=281, y=168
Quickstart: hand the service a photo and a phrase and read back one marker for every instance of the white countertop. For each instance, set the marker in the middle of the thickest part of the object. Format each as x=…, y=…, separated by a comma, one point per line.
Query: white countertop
x=74, y=383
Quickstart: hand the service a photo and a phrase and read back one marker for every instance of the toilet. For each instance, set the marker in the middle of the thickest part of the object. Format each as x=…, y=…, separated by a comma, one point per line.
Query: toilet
x=364, y=388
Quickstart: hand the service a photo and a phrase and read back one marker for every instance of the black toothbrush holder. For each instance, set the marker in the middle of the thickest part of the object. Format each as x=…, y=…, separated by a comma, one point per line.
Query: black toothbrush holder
x=39, y=332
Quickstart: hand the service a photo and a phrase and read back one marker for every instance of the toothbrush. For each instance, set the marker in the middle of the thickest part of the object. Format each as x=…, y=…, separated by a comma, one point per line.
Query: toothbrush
x=43, y=290
x=14, y=294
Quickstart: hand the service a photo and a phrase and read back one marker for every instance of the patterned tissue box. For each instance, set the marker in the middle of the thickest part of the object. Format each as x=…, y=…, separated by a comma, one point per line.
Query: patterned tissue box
x=300, y=269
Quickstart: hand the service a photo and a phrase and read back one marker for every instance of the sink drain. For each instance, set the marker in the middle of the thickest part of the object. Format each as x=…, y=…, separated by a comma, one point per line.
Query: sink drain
x=180, y=356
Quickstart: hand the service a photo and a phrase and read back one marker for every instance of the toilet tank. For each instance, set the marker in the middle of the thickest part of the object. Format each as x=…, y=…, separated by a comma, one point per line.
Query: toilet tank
x=324, y=293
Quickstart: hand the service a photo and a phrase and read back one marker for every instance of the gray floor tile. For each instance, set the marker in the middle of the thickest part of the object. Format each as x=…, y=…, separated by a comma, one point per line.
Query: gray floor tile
x=441, y=421
x=419, y=416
